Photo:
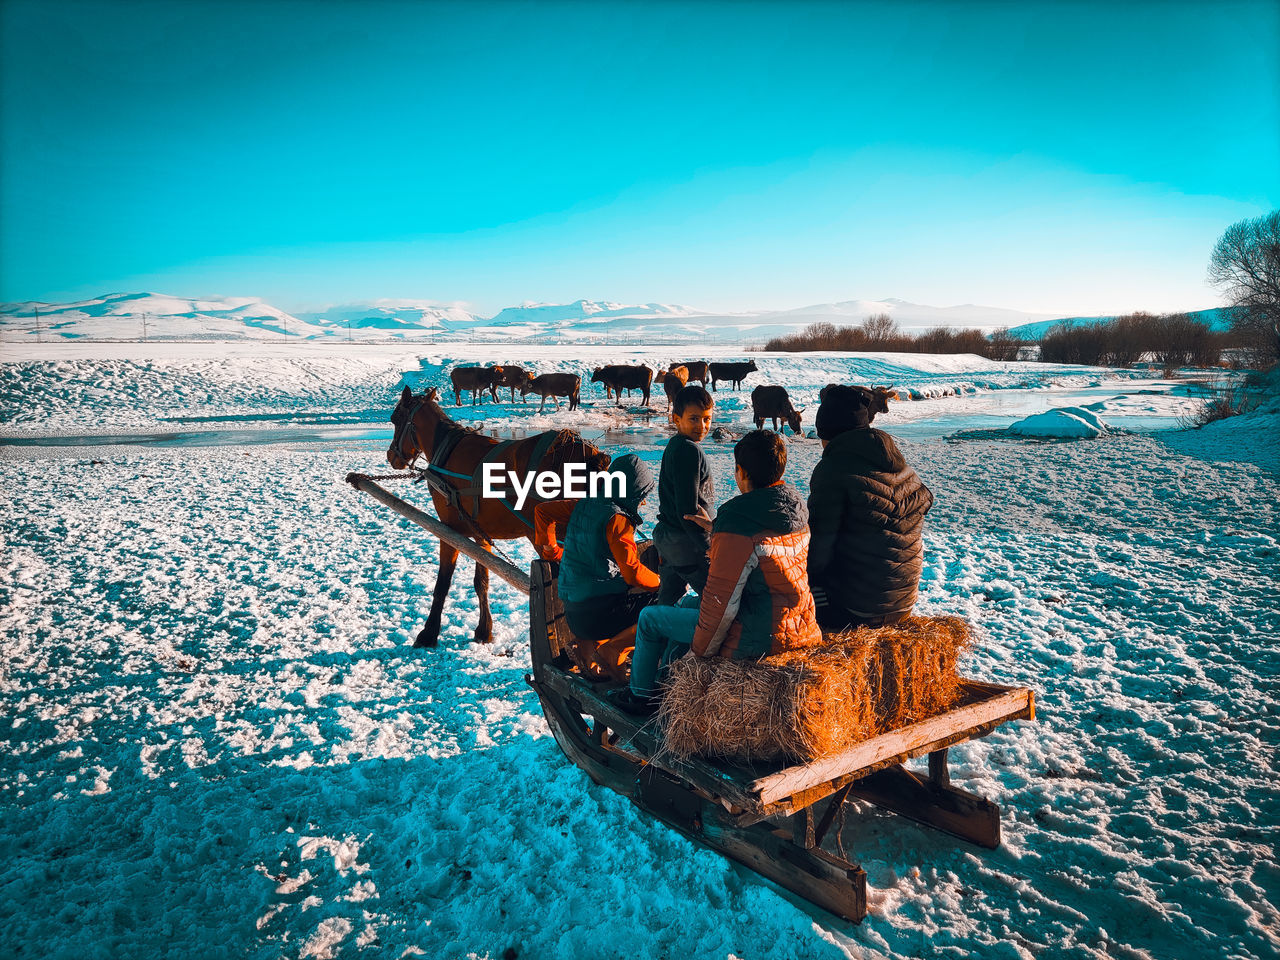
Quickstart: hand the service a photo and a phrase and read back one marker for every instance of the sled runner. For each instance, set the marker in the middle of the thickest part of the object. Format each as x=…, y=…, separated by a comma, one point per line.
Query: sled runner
x=782, y=821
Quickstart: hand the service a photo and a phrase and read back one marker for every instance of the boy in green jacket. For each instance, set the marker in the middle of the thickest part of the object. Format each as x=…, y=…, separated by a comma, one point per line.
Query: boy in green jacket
x=684, y=490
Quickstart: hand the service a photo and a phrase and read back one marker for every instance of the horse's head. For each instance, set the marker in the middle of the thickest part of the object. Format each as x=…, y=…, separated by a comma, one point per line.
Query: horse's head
x=406, y=442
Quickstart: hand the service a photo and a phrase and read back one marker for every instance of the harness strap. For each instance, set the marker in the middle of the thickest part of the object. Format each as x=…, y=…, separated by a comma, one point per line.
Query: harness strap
x=443, y=447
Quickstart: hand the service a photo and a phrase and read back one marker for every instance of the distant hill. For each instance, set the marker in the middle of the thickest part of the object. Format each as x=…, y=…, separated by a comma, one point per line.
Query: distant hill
x=157, y=316
x=1215, y=319
x=153, y=316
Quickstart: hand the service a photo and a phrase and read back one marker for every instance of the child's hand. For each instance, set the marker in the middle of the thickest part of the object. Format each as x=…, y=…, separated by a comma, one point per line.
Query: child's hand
x=700, y=518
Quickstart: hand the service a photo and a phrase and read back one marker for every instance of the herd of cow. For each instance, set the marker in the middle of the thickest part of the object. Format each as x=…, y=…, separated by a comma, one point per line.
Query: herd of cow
x=767, y=402
x=614, y=378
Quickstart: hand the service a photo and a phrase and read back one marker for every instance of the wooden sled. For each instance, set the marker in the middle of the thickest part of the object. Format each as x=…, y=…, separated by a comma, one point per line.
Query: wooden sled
x=770, y=818
x=774, y=818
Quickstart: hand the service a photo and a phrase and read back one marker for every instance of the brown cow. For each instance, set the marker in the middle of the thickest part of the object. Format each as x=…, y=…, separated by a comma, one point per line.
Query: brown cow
x=475, y=379
x=697, y=371
x=773, y=403
x=554, y=385
x=619, y=378
x=733, y=373
x=513, y=377
x=877, y=397
x=673, y=381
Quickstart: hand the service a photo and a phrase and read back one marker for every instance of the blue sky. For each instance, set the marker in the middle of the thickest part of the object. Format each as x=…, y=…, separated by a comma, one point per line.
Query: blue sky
x=1067, y=158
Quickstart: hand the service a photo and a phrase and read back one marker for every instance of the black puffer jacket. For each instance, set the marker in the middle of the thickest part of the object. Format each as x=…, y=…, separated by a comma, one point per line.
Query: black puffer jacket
x=866, y=515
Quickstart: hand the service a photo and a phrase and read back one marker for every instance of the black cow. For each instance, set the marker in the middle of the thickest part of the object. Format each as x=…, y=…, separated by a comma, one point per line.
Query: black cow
x=618, y=378
x=733, y=373
x=774, y=404
x=554, y=385
x=697, y=371
x=513, y=377
x=877, y=397
x=475, y=379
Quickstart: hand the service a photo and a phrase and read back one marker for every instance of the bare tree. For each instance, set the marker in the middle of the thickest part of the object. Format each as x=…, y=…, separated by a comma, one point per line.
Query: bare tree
x=1002, y=345
x=880, y=328
x=1245, y=266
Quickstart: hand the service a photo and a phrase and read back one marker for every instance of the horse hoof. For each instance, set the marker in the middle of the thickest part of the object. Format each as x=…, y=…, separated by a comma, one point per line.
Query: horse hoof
x=423, y=639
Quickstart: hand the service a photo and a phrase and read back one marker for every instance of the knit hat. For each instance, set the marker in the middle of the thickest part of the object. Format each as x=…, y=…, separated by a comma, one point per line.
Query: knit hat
x=843, y=409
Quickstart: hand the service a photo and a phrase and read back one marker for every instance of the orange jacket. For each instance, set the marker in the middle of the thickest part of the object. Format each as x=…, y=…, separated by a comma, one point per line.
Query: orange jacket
x=757, y=600
x=547, y=517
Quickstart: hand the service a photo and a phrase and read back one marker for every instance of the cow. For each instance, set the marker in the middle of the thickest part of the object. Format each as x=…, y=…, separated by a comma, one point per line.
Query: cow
x=513, y=377
x=877, y=397
x=554, y=385
x=619, y=378
x=773, y=403
x=697, y=371
x=672, y=381
x=475, y=379
x=733, y=373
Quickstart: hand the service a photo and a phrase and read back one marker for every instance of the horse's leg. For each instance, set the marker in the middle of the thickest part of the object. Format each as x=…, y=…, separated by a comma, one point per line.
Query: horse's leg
x=429, y=635
x=484, y=629
x=457, y=396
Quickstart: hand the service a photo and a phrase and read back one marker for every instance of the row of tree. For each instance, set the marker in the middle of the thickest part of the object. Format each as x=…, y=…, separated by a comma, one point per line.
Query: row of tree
x=1171, y=340
x=881, y=333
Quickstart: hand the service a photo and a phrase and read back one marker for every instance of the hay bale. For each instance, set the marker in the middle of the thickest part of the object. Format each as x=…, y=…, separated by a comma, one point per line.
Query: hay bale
x=806, y=704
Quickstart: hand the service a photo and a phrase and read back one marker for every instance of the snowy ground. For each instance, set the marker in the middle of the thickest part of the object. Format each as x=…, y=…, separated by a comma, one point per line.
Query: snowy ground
x=216, y=740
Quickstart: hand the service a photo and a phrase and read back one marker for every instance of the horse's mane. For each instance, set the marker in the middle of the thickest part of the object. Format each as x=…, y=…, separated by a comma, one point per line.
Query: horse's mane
x=569, y=447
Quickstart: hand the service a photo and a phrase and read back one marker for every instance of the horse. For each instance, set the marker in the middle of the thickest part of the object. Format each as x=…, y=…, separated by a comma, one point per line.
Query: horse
x=455, y=455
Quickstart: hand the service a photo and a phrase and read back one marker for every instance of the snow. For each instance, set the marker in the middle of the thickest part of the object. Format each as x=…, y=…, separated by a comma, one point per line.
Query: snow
x=1061, y=423
x=217, y=740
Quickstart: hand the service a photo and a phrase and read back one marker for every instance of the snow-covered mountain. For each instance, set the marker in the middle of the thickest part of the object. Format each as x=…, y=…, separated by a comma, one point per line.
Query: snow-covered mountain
x=529, y=312
x=152, y=316
x=155, y=316
x=390, y=316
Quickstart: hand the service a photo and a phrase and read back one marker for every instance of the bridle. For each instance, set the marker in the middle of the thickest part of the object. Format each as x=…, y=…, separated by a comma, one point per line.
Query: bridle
x=403, y=423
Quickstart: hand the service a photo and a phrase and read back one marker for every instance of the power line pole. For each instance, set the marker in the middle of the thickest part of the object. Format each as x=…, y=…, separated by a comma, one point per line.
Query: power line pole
x=145, y=317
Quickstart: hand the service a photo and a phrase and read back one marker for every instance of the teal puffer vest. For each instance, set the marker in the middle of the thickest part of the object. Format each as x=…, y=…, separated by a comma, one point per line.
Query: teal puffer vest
x=587, y=569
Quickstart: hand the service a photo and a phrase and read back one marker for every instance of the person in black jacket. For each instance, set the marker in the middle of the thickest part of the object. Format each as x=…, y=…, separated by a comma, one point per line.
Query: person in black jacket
x=866, y=516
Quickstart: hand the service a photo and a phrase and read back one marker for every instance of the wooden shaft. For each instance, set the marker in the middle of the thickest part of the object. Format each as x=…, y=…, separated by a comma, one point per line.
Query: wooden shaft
x=507, y=571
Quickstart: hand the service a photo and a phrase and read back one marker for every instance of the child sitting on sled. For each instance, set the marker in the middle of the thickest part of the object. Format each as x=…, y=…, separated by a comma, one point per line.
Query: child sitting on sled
x=757, y=600
x=602, y=582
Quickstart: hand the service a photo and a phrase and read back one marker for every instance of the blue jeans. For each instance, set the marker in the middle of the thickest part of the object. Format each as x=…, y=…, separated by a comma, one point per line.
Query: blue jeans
x=662, y=635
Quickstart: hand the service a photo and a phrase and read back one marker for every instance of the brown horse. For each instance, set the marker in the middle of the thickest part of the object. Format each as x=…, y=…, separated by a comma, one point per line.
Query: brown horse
x=455, y=455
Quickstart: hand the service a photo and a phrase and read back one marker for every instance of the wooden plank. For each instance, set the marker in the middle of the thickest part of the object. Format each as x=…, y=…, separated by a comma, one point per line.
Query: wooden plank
x=962, y=723
x=507, y=571
x=792, y=788
x=954, y=811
